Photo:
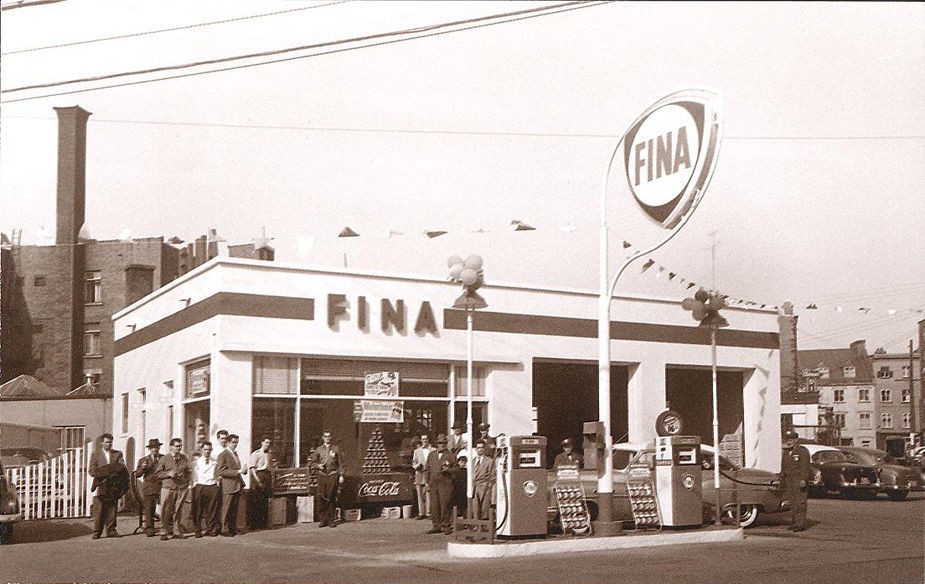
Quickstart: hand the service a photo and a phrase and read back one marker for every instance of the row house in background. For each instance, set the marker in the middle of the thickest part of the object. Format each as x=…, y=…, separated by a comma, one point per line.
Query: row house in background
x=844, y=381
x=896, y=377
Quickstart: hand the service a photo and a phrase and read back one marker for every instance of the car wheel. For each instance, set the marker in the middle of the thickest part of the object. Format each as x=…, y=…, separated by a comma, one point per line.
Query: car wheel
x=748, y=514
x=6, y=533
x=898, y=495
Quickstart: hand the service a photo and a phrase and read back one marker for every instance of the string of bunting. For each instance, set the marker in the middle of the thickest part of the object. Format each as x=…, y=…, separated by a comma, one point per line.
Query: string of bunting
x=305, y=243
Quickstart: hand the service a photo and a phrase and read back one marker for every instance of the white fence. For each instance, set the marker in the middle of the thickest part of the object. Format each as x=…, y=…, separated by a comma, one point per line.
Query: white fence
x=54, y=489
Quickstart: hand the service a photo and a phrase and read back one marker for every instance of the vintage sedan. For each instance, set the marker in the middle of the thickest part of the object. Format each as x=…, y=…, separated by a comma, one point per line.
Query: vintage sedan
x=833, y=472
x=896, y=480
x=751, y=490
x=9, y=508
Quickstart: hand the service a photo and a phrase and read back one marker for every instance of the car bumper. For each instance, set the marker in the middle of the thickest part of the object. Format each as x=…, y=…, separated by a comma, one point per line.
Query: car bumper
x=11, y=518
x=861, y=487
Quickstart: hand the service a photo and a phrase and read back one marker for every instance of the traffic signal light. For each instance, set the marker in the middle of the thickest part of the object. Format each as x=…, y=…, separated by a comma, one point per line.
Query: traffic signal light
x=705, y=307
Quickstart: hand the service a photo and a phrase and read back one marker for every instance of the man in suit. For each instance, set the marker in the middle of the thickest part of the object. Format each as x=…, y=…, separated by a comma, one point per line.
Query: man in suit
x=488, y=440
x=419, y=462
x=483, y=481
x=328, y=462
x=456, y=442
x=175, y=473
x=151, y=490
x=441, y=464
x=221, y=445
x=229, y=471
x=110, y=482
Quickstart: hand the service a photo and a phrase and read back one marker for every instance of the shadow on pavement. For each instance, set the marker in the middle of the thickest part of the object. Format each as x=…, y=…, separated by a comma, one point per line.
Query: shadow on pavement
x=41, y=530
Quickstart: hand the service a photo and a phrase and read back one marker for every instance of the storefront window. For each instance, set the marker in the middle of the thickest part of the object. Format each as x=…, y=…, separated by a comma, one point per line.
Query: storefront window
x=478, y=382
x=275, y=375
x=196, y=417
x=275, y=418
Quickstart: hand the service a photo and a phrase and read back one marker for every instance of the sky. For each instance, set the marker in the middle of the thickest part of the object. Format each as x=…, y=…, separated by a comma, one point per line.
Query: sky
x=818, y=196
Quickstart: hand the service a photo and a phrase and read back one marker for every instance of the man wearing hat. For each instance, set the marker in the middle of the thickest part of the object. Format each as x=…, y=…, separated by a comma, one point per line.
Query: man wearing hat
x=488, y=440
x=568, y=456
x=151, y=489
x=441, y=466
x=456, y=442
x=795, y=472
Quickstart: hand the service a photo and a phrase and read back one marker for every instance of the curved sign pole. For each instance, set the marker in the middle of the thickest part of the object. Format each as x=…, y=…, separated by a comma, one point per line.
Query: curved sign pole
x=669, y=154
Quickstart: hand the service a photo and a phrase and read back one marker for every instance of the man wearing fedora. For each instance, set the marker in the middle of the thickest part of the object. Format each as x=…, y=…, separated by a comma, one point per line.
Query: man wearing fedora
x=151, y=488
x=488, y=440
x=568, y=456
x=440, y=468
x=456, y=442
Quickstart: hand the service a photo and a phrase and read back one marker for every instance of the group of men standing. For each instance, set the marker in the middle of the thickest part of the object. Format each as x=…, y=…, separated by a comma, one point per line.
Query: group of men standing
x=214, y=479
x=440, y=472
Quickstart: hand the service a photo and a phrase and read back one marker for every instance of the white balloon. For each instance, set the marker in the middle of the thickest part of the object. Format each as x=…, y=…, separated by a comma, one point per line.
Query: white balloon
x=455, y=259
x=468, y=276
x=474, y=262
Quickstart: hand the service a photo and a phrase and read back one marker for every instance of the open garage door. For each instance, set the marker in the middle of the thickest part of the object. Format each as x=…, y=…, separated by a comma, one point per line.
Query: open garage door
x=689, y=391
x=565, y=396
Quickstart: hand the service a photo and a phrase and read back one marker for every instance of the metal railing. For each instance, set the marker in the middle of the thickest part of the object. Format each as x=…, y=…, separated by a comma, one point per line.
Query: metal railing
x=57, y=488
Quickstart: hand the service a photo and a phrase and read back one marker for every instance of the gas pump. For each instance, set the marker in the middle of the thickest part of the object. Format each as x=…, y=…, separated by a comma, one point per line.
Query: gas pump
x=678, y=481
x=521, y=486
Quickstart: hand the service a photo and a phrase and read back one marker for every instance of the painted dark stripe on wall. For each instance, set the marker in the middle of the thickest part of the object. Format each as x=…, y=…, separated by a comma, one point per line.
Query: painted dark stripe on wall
x=223, y=303
x=531, y=324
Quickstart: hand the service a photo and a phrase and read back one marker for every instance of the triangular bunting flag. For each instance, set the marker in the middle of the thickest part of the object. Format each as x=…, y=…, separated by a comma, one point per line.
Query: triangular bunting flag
x=648, y=265
x=347, y=232
x=433, y=234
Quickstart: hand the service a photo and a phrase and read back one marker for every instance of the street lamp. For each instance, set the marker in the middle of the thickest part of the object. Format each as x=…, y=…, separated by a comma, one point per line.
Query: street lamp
x=705, y=307
x=468, y=272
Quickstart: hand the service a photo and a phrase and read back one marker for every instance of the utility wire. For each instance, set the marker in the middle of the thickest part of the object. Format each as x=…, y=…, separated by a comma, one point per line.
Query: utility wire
x=27, y=4
x=501, y=18
x=439, y=132
x=158, y=31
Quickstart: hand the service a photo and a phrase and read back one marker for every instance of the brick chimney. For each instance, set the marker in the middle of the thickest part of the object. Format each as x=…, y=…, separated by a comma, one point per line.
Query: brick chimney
x=861, y=359
x=789, y=365
x=72, y=171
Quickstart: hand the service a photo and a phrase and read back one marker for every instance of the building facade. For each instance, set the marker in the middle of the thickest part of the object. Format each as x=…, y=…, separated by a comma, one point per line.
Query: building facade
x=844, y=381
x=896, y=377
x=282, y=351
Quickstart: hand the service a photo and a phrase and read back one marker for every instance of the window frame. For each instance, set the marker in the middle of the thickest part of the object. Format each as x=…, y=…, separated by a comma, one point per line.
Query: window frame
x=93, y=287
x=838, y=395
x=886, y=420
x=888, y=392
x=91, y=337
x=863, y=395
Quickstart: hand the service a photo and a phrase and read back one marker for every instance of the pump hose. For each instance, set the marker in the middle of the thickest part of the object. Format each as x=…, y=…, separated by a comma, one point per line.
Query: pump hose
x=741, y=482
x=504, y=486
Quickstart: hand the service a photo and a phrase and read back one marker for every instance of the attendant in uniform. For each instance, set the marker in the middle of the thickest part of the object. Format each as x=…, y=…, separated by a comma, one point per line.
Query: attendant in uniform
x=151, y=489
x=229, y=471
x=110, y=482
x=260, y=464
x=175, y=472
x=419, y=464
x=488, y=440
x=205, y=491
x=795, y=472
x=440, y=467
x=568, y=456
x=456, y=442
x=483, y=481
x=327, y=460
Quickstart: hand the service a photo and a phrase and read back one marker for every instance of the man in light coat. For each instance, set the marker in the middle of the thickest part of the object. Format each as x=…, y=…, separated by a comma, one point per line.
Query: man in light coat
x=419, y=462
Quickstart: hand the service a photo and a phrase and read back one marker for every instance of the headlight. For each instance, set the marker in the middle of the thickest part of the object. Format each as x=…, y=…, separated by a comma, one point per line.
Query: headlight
x=11, y=505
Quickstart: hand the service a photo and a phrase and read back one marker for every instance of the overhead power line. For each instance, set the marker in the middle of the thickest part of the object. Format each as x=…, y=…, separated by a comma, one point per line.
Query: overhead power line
x=415, y=33
x=162, y=30
x=606, y=136
x=26, y=4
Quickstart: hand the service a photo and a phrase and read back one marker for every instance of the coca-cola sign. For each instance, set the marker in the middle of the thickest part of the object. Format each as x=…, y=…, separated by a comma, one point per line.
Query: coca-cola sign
x=391, y=487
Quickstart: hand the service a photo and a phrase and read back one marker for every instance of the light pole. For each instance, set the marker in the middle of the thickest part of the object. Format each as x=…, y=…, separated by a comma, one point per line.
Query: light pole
x=469, y=273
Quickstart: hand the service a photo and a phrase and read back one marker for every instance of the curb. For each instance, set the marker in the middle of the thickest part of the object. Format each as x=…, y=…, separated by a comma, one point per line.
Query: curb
x=531, y=548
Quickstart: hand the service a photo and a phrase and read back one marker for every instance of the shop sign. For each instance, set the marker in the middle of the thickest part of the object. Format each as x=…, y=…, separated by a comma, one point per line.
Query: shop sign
x=197, y=380
x=670, y=152
x=382, y=412
x=382, y=488
x=381, y=384
x=568, y=472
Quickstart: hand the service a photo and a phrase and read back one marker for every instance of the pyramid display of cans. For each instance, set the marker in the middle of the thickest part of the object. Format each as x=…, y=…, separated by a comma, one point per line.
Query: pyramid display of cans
x=376, y=460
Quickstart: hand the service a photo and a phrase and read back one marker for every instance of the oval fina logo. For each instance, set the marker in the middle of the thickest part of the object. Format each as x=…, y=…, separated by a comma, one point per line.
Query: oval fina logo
x=530, y=488
x=670, y=152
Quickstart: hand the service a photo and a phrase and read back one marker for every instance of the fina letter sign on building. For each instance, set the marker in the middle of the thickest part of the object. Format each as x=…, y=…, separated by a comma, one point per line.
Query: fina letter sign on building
x=670, y=151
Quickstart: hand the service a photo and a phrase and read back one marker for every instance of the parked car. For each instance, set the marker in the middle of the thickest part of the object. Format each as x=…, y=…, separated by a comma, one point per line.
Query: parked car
x=23, y=455
x=753, y=490
x=9, y=508
x=896, y=480
x=834, y=472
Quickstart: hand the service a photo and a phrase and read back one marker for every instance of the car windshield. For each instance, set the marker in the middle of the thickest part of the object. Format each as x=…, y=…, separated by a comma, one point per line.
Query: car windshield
x=23, y=455
x=824, y=456
x=646, y=456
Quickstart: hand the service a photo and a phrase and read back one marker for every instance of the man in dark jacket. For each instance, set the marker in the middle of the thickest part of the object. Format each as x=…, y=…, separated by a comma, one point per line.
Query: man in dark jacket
x=795, y=472
x=151, y=490
x=440, y=467
x=110, y=482
x=229, y=471
x=174, y=471
x=328, y=464
x=568, y=456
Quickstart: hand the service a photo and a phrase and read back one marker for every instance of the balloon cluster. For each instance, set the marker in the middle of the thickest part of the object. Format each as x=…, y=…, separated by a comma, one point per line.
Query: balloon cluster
x=705, y=307
x=467, y=272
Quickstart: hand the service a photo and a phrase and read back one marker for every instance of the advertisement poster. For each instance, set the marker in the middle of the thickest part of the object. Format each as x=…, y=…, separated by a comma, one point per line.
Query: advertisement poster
x=383, y=412
x=381, y=384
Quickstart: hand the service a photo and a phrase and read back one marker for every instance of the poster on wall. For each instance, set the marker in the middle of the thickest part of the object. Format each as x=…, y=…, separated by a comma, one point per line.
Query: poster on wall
x=381, y=384
x=197, y=379
x=382, y=412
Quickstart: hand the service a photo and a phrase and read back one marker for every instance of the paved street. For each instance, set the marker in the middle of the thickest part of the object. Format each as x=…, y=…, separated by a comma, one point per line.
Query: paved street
x=849, y=542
